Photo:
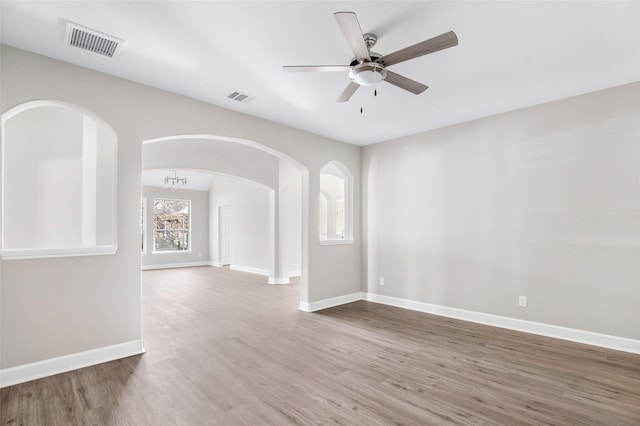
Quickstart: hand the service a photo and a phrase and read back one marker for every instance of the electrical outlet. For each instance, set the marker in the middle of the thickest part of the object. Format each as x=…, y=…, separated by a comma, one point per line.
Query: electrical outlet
x=381, y=281
x=522, y=301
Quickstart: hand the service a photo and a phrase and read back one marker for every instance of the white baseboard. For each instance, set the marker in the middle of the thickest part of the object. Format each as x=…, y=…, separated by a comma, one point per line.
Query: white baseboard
x=284, y=280
x=329, y=303
x=250, y=269
x=49, y=367
x=558, y=332
x=174, y=265
x=216, y=264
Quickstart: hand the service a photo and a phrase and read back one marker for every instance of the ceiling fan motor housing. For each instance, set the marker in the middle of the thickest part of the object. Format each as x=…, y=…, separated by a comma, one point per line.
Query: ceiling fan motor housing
x=368, y=73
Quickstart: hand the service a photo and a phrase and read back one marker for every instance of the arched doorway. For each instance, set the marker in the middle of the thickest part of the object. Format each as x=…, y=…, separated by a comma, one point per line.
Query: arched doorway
x=192, y=158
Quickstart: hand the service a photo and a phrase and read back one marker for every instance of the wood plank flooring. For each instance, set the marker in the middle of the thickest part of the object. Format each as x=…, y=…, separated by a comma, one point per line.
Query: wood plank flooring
x=223, y=348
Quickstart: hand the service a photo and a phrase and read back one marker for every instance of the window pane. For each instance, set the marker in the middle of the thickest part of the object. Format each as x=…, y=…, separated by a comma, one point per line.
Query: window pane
x=143, y=221
x=171, y=225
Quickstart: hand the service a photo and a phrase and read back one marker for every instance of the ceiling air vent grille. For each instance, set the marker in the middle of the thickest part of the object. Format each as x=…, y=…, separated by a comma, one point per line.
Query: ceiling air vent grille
x=240, y=97
x=92, y=40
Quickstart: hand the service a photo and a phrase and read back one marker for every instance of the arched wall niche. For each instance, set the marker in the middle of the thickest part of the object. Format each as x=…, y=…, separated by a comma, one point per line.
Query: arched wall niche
x=335, y=204
x=59, y=175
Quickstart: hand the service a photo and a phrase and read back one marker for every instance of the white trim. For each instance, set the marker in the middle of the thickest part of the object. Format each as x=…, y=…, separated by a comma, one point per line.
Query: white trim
x=174, y=265
x=571, y=334
x=250, y=269
x=336, y=242
x=331, y=302
x=49, y=367
x=19, y=254
x=215, y=263
x=273, y=280
x=304, y=306
x=170, y=252
x=558, y=332
x=294, y=274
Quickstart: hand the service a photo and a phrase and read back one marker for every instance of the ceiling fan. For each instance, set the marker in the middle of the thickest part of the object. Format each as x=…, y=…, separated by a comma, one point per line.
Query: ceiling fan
x=368, y=68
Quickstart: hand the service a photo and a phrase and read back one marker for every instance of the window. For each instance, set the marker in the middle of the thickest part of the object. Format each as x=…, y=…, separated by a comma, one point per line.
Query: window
x=58, y=182
x=171, y=219
x=143, y=223
x=335, y=204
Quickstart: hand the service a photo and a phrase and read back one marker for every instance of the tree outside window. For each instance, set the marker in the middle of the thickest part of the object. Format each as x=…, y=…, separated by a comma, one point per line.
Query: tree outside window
x=172, y=222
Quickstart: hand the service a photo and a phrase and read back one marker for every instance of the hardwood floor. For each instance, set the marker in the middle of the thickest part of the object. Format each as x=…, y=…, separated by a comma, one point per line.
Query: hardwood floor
x=225, y=349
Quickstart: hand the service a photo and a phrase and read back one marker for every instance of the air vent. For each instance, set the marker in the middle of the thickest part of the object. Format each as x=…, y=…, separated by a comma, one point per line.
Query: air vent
x=91, y=40
x=241, y=97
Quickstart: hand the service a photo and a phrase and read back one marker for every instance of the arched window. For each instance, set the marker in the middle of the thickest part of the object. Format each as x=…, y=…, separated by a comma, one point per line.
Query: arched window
x=58, y=182
x=336, y=204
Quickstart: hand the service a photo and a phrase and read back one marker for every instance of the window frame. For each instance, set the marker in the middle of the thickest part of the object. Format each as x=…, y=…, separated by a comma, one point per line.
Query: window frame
x=143, y=225
x=189, y=230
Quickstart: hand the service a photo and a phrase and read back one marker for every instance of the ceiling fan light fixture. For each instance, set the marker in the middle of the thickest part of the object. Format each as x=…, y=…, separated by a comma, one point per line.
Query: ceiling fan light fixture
x=368, y=73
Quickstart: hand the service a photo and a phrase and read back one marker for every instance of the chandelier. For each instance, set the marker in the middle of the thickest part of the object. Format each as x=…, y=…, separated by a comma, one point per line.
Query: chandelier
x=174, y=182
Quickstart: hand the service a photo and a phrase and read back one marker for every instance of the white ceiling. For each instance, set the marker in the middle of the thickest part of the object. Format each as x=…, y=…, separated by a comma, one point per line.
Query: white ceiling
x=510, y=55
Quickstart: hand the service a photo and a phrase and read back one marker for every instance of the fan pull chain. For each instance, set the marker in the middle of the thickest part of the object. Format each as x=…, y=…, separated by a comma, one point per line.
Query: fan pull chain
x=375, y=93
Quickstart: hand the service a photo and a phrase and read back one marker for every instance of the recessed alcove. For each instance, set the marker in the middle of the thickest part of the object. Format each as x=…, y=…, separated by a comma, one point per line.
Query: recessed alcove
x=336, y=204
x=58, y=182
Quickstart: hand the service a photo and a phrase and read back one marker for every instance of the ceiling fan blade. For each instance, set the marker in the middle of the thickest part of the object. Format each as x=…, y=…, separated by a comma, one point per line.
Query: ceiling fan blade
x=443, y=41
x=348, y=92
x=348, y=23
x=405, y=83
x=319, y=68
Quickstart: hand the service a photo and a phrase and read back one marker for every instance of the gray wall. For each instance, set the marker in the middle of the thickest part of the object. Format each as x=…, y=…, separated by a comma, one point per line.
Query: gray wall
x=543, y=202
x=56, y=307
x=199, y=252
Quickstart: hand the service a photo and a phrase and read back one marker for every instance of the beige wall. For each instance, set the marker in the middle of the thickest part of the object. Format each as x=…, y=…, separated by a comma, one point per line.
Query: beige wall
x=56, y=307
x=543, y=202
x=210, y=155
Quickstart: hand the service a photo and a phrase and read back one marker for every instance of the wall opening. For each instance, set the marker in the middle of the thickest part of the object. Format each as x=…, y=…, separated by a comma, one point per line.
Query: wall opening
x=58, y=182
x=302, y=211
x=336, y=204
